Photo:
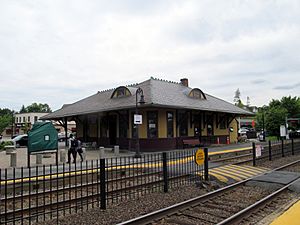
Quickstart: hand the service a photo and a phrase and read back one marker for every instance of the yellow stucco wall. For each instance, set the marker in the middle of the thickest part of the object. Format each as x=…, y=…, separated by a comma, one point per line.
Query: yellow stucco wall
x=162, y=123
x=143, y=127
x=190, y=128
x=162, y=126
x=234, y=134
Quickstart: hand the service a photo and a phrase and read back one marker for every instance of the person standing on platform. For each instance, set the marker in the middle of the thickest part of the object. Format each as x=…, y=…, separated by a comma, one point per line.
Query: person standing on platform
x=73, y=143
x=79, y=149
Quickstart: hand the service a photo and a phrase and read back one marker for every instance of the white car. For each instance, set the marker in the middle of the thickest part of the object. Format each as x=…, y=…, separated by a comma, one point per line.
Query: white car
x=243, y=131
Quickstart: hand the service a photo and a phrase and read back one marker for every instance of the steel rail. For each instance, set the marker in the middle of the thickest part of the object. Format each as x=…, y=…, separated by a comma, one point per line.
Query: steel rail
x=254, y=207
x=156, y=215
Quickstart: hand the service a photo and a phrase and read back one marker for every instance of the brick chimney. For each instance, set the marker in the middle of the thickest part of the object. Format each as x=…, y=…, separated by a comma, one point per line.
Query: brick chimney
x=184, y=82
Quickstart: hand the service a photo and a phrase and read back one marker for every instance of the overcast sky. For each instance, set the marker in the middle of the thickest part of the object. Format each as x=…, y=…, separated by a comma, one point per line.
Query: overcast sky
x=60, y=51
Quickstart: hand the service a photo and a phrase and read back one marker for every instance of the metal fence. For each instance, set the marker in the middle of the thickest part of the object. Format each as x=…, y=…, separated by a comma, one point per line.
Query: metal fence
x=36, y=194
x=276, y=149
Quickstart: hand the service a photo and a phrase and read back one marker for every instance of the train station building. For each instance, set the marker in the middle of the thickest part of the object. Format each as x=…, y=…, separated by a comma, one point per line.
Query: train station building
x=171, y=113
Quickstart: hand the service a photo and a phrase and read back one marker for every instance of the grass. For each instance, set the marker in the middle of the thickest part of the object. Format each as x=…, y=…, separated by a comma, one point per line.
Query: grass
x=272, y=138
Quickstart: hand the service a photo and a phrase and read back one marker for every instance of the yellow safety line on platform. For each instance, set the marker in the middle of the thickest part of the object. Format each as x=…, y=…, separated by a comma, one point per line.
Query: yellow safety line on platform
x=229, y=150
x=232, y=172
x=262, y=169
x=134, y=166
x=238, y=172
x=254, y=172
x=290, y=217
x=226, y=174
x=219, y=177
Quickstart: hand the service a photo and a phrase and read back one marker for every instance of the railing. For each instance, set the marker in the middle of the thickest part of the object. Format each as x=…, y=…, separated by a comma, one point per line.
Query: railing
x=36, y=194
x=276, y=149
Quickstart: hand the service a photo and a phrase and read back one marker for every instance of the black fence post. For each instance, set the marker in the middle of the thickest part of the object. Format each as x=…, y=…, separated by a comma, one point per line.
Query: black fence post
x=28, y=159
x=206, y=164
x=270, y=151
x=165, y=172
x=102, y=185
x=254, y=154
x=56, y=157
x=282, y=147
x=293, y=153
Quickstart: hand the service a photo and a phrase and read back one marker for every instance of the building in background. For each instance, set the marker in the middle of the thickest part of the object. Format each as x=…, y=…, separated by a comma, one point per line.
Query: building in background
x=23, y=122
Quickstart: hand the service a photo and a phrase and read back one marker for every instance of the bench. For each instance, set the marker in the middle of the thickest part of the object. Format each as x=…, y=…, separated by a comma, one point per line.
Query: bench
x=191, y=142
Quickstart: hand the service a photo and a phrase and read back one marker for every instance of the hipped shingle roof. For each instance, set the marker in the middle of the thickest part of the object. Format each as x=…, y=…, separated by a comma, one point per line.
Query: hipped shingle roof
x=158, y=93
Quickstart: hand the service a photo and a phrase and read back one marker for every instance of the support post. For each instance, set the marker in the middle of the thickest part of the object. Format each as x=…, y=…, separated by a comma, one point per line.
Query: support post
x=28, y=158
x=293, y=153
x=56, y=158
x=165, y=172
x=282, y=147
x=206, y=164
x=254, y=154
x=102, y=185
x=270, y=151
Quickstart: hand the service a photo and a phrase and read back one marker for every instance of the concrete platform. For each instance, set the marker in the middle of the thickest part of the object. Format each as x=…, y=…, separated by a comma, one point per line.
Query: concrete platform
x=274, y=180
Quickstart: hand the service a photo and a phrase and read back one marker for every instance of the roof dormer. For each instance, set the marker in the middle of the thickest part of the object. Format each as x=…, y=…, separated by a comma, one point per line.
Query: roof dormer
x=197, y=93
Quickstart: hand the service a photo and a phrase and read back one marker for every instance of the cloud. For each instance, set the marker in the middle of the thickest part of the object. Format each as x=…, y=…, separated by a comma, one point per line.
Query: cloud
x=56, y=52
x=258, y=81
x=288, y=86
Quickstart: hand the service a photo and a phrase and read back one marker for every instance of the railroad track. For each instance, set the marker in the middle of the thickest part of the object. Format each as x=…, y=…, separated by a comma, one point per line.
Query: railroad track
x=227, y=205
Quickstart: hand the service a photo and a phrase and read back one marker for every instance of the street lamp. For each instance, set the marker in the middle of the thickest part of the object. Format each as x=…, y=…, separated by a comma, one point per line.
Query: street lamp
x=264, y=133
x=138, y=120
x=12, y=123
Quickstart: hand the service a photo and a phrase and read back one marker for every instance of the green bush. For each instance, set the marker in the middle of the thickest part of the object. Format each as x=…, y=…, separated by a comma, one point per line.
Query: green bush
x=5, y=143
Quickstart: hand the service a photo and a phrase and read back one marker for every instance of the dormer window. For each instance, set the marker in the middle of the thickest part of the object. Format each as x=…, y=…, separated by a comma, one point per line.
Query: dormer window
x=197, y=93
x=121, y=92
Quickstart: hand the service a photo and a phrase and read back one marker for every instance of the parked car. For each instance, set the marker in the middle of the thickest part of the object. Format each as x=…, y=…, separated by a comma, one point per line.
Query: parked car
x=15, y=135
x=243, y=131
x=62, y=137
x=21, y=140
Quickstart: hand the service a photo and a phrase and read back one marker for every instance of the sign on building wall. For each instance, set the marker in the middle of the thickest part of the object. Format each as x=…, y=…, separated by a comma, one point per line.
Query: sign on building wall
x=138, y=119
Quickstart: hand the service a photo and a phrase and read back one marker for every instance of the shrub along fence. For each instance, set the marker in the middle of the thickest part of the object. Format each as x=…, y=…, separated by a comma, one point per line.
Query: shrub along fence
x=36, y=194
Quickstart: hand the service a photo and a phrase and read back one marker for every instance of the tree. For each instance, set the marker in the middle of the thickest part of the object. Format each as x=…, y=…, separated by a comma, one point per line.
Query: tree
x=292, y=105
x=237, y=97
x=248, y=101
x=5, y=118
x=274, y=118
x=36, y=107
x=23, y=110
x=276, y=113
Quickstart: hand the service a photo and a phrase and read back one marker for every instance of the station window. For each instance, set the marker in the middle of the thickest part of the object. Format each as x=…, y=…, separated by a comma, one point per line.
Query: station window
x=28, y=119
x=197, y=93
x=152, y=118
x=122, y=126
x=223, y=124
x=170, y=124
x=35, y=118
x=121, y=92
x=183, y=124
x=24, y=119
